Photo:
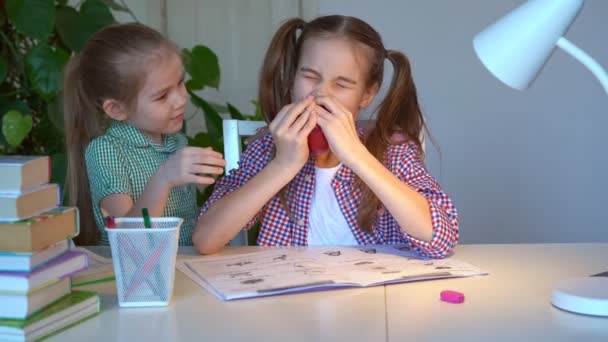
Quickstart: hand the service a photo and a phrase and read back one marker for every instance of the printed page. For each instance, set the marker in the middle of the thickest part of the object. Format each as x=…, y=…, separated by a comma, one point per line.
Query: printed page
x=373, y=265
x=294, y=269
x=260, y=273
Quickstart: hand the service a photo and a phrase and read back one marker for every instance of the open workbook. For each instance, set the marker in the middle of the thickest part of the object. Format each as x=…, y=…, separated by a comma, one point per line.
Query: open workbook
x=285, y=270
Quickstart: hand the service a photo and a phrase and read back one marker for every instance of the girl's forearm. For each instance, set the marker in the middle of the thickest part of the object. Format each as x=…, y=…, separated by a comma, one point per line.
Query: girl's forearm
x=409, y=208
x=154, y=197
x=226, y=217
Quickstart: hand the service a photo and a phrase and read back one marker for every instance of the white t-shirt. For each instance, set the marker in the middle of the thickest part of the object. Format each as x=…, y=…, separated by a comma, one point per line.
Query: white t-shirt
x=326, y=223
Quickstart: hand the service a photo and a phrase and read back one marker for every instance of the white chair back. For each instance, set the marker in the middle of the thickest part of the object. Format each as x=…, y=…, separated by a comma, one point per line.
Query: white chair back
x=234, y=130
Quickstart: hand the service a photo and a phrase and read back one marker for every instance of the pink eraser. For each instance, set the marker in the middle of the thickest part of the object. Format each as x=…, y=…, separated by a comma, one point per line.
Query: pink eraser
x=452, y=296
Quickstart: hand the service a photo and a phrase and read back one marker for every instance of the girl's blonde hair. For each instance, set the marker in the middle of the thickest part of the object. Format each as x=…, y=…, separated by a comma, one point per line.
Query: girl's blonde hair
x=398, y=114
x=112, y=65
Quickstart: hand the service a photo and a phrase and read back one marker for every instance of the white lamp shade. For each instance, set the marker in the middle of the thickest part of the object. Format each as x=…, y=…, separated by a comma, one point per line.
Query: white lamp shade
x=516, y=47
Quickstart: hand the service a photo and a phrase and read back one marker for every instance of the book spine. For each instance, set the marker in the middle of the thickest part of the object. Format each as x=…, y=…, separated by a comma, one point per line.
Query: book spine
x=50, y=170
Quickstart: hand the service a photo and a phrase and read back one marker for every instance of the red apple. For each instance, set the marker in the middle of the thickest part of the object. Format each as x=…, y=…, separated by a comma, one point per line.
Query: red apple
x=317, y=143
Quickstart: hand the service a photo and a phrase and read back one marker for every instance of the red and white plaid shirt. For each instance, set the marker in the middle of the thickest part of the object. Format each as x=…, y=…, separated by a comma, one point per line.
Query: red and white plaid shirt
x=277, y=229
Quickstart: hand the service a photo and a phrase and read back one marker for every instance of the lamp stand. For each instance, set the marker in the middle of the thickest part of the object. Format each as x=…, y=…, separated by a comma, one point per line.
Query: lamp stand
x=589, y=295
x=586, y=60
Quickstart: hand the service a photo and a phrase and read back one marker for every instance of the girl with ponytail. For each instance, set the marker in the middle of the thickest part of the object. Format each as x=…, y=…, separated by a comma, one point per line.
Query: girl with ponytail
x=317, y=178
x=124, y=102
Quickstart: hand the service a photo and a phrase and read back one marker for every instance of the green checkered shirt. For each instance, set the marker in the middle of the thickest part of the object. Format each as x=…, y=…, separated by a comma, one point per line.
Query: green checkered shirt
x=121, y=162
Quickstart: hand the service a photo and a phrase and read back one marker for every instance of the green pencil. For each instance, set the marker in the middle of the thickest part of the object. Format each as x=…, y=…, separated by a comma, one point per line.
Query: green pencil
x=146, y=215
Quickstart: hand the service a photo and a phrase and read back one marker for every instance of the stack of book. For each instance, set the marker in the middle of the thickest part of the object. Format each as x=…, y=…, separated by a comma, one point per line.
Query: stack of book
x=36, y=262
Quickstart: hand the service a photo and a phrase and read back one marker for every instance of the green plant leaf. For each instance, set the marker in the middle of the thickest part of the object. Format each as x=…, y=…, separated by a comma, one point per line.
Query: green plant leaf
x=194, y=85
x=44, y=66
x=46, y=131
x=3, y=69
x=191, y=84
x=8, y=105
x=15, y=127
x=70, y=28
x=54, y=111
x=75, y=28
x=212, y=119
x=201, y=139
x=20, y=106
x=115, y=6
x=202, y=65
x=97, y=12
x=59, y=164
x=258, y=116
x=34, y=18
x=234, y=113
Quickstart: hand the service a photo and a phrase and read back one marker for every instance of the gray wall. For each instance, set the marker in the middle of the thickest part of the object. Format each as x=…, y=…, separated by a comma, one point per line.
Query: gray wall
x=521, y=166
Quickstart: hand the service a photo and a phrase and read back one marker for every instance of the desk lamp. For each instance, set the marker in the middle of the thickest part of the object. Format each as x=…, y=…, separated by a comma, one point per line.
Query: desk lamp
x=514, y=49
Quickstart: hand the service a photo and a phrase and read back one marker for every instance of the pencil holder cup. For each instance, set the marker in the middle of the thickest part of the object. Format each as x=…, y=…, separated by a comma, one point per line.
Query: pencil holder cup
x=144, y=260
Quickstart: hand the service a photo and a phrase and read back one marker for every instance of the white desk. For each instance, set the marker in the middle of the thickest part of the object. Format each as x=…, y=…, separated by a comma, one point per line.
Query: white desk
x=195, y=314
x=510, y=304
